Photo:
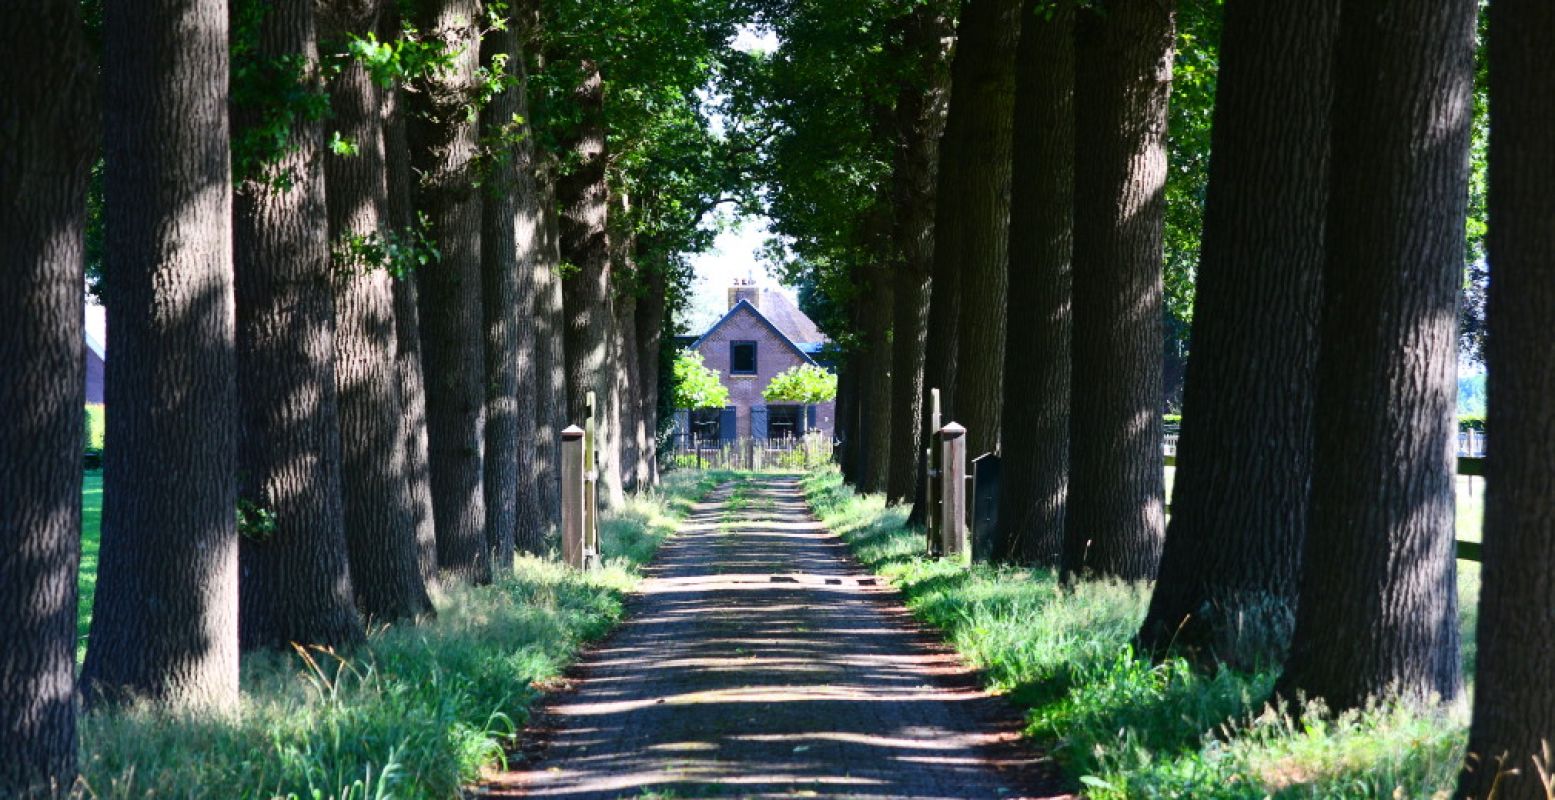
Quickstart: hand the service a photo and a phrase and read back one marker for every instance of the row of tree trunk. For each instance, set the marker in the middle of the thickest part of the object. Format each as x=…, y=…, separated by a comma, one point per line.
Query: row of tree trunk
x=1312, y=520
x=339, y=374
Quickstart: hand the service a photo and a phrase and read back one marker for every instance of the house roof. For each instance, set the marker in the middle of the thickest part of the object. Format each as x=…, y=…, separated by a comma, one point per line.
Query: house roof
x=782, y=336
x=795, y=324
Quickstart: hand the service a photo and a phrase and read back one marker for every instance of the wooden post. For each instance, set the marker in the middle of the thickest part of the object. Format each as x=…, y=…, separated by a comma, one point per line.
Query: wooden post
x=931, y=483
x=952, y=519
x=572, y=496
x=590, y=487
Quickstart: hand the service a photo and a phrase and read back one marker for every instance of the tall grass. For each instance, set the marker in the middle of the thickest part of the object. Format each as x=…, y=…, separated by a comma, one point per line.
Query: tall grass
x=417, y=712
x=1124, y=727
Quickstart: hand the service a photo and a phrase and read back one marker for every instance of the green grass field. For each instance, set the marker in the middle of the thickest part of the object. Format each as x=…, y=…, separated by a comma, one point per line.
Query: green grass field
x=91, y=531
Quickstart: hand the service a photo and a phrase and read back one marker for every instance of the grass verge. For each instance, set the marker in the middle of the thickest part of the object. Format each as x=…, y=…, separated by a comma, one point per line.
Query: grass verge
x=417, y=712
x=1123, y=727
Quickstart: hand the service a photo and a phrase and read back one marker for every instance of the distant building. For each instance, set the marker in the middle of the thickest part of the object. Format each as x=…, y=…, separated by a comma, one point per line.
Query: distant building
x=763, y=334
x=95, y=355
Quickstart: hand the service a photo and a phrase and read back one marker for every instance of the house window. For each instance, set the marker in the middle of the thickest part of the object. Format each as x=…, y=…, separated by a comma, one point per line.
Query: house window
x=784, y=421
x=742, y=358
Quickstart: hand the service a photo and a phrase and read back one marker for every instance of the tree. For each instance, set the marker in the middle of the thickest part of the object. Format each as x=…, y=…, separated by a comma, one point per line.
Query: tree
x=923, y=92
x=696, y=385
x=377, y=488
x=442, y=131
x=1123, y=69
x=550, y=353
x=1377, y=607
x=407, y=316
x=164, y=620
x=1231, y=561
x=982, y=107
x=44, y=171
x=806, y=384
x=588, y=293
x=502, y=292
x=1035, y=421
x=294, y=580
x=1514, y=709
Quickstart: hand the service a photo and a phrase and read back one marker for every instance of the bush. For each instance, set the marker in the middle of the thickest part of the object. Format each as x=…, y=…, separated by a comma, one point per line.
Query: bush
x=96, y=427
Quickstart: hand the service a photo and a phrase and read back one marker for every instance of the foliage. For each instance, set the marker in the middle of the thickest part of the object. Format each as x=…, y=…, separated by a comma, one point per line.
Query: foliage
x=271, y=95
x=695, y=385
x=398, y=251
x=806, y=383
x=417, y=712
x=96, y=426
x=1122, y=726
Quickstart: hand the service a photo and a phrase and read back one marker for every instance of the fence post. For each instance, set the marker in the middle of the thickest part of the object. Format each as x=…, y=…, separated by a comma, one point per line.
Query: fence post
x=590, y=486
x=952, y=519
x=572, y=496
x=930, y=483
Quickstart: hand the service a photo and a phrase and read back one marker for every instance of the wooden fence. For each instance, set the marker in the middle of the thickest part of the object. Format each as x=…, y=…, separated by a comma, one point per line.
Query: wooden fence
x=780, y=454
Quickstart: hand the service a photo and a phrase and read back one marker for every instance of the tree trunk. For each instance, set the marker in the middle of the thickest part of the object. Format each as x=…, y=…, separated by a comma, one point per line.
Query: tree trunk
x=875, y=402
x=944, y=295
x=1377, y=614
x=501, y=294
x=407, y=325
x=920, y=120
x=629, y=374
x=847, y=428
x=1035, y=419
x=294, y=583
x=1514, y=705
x=587, y=295
x=165, y=616
x=650, y=338
x=376, y=489
x=983, y=98
x=1123, y=62
x=1231, y=562
x=533, y=254
x=443, y=146
x=44, y=171
x=550, y=361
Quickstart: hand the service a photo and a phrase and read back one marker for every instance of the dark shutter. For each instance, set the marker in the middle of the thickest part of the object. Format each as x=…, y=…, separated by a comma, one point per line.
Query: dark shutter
x=809, y=417
x=728, y=429
x=759, y=422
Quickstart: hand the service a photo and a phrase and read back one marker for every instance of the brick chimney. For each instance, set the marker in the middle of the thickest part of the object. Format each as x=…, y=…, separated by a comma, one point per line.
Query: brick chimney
x=747, y=290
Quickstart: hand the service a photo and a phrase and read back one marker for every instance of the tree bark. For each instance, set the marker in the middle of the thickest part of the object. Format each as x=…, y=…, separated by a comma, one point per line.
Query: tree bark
x=1035, y=420
x=502, y=298
x=632, y=469
x=921, y=103
x=650, y=339
x=294, y=583
x=407, y=324
x=165, y=616
x=442, y=139
x=1514, y=705
x=587, y=295
x=875, y=411
x=1232, y=557
x=44, y=172
x=1377, y=613
x=983, y=97
x=550, y=360
x=847, y=427
x=1114, y=521
x=377, y=489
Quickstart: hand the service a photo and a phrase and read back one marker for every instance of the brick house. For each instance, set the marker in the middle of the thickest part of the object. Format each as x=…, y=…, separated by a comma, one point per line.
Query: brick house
x=762, y=334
